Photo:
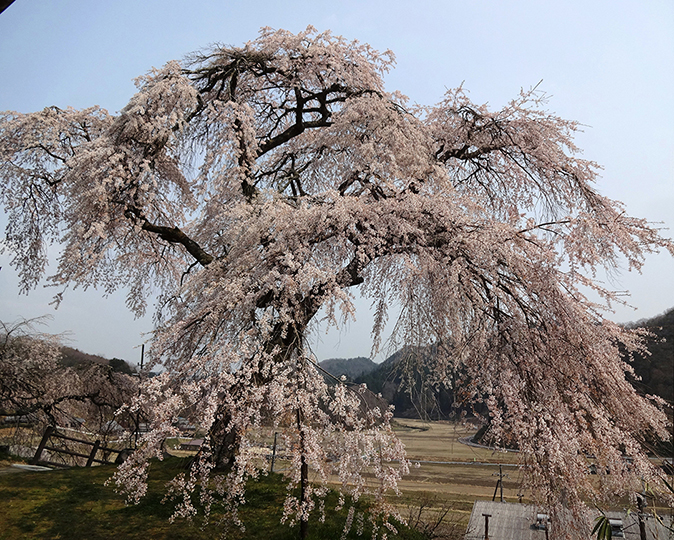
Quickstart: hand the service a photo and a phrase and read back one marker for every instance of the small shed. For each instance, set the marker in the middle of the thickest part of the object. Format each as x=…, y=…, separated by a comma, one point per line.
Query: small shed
x=192, y=445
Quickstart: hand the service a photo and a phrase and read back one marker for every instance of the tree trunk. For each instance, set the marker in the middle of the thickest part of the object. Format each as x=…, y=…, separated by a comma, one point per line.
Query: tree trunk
x=224, y=442
x=641, y=505
x=304, y=479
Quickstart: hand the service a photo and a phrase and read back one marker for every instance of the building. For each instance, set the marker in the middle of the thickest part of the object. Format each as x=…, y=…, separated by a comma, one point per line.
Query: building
x=511, y=521
x=506, y=521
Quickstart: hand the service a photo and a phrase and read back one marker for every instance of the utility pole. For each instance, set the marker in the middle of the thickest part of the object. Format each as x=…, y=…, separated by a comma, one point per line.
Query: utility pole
x=499, y=482
x=273, y=453
x=140, y=371
x=304, y=476
x=4, y=4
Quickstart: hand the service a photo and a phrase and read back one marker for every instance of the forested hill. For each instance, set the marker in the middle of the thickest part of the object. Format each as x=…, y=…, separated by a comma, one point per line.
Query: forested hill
x=404, y=381
x=351, y=367
x=657, y=370
x=75, y=358
x=392, y=377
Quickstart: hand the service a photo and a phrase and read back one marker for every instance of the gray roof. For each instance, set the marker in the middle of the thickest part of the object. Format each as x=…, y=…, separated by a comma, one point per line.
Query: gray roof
x=508, y=521
x=511, y=521
x=654, y=530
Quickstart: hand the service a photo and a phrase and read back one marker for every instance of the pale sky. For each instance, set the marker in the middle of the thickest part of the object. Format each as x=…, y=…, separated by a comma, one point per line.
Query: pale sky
x=607, y=64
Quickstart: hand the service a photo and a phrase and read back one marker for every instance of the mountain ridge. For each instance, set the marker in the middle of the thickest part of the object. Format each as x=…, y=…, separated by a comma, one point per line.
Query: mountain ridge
x=349, y=367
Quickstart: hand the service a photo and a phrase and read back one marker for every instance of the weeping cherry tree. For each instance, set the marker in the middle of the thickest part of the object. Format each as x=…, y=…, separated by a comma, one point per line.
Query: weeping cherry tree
x=252, y=188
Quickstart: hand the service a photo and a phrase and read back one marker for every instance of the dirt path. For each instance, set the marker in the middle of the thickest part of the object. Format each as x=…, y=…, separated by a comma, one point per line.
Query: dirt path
x=7, y=467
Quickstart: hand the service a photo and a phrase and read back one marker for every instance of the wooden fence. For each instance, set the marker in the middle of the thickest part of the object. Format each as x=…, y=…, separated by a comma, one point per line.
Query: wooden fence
x=50, y=434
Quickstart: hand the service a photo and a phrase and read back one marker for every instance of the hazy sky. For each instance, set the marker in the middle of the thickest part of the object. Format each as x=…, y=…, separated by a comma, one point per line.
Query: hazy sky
x=607, y=64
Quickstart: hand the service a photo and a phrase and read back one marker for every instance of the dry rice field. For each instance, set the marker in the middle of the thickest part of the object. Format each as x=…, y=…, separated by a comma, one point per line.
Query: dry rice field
x=466, y=473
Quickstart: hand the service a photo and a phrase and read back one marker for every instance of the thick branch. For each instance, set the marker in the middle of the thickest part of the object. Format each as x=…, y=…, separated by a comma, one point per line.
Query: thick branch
x=173, y=235
x=465, y=153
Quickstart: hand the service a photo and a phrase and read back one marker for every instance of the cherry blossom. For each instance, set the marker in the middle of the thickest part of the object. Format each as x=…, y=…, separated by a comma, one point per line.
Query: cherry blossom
x=250, y=187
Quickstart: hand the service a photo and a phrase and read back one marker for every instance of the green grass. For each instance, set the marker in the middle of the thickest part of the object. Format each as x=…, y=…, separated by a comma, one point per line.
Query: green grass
x=75, y=504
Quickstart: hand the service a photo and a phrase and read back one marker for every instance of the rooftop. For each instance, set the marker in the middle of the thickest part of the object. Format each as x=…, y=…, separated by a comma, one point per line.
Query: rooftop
x=511, y=521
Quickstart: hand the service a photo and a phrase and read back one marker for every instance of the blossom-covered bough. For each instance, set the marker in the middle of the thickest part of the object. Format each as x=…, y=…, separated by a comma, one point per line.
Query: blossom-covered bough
x=255, y=186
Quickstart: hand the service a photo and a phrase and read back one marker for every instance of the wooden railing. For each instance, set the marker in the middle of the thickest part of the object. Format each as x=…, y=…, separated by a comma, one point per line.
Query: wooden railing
x=51, y=433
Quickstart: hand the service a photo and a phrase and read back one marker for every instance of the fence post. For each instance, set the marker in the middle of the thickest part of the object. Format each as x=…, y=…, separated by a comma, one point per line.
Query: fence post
x=43, y=443
x=93, y=453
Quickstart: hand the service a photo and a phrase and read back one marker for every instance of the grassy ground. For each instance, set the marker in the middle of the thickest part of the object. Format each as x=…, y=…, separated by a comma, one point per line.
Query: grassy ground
x=75, y=504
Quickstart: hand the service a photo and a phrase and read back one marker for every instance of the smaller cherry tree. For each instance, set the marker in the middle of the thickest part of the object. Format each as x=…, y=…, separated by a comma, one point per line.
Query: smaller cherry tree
x=38, y=387
x=255, y=186
x=31, y=381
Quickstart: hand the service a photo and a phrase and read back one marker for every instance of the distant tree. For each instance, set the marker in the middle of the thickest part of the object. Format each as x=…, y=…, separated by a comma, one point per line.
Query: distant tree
x=120, y=366
x=30, y=380
x=255, y=186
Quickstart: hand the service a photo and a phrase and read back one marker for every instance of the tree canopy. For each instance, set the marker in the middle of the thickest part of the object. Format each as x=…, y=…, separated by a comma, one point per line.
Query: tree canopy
x=254, y=186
